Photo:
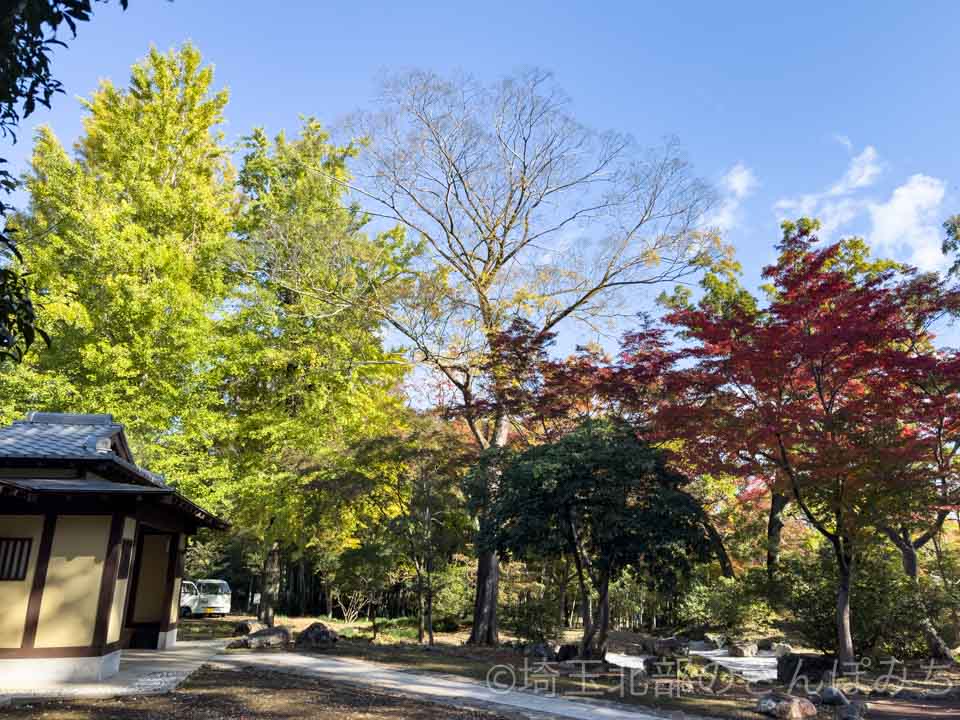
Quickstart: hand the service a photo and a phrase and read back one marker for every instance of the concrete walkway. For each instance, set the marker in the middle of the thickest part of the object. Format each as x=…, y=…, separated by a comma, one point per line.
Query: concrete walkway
x=433, y=688
x=142, y=672
x=151, y=672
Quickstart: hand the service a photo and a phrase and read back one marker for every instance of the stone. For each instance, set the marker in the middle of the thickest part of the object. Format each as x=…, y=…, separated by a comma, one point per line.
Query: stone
x=567, y=652
x=796, y=665
x=716, y=639
x=854, y=711
x=833, y=696
x=742, y=649
x=786, y=707
x=647, y=644
x=317, y=637
x=905, y=694
x=541, y=651
x=266, y=638
x=781, y=649
x=671, y=647
x=247, y=627
x=767, y=643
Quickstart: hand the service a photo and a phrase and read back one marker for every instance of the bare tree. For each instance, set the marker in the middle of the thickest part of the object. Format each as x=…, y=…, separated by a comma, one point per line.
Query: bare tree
x=523, y=213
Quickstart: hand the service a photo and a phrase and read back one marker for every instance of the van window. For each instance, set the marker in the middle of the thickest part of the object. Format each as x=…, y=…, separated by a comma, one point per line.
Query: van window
x=188, y=588
x=214, y=587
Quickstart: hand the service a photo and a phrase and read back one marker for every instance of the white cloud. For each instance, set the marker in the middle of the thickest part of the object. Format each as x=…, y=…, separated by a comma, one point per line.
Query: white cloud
x=864, y=169
x=737, y=184
x=845, y=141
x=835, y=206
x=908, y=224
x=740, y=181
x=905, y=226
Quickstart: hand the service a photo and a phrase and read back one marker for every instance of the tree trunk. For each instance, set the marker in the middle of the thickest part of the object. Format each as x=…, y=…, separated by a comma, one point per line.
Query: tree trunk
x=845, y=570
x=421, y=612
x=778, y=503
x=594, y=642
x=429, y=613
x=302, y=586
x=270, y=584
x=485, y=631
x=726, y=567
x=908, y=548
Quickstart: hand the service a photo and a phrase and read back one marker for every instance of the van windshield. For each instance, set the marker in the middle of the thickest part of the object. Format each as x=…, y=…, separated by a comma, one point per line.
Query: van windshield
x=214, y=588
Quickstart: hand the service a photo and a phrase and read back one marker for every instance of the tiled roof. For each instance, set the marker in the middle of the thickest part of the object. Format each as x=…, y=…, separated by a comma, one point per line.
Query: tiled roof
x=80, y=486
x=67, y=436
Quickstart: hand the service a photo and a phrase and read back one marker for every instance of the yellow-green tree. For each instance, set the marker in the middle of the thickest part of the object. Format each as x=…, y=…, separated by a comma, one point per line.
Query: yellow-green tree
x=126, y=237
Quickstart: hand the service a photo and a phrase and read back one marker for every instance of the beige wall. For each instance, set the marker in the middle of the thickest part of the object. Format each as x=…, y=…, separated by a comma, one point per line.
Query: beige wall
x=120, y=592
x=175, y=598
x=68, y=610
x=14, y=596
x=152, y=583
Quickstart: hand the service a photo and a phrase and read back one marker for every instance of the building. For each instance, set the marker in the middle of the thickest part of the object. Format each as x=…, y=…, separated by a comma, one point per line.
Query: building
x=91, y=550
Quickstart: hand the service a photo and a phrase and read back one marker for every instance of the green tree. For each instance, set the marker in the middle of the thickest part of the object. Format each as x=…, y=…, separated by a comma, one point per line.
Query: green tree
x=303, y=379
x=413, y=478
x=28, y=34
x=126, y=239
x=951, y=242
x=608, y=500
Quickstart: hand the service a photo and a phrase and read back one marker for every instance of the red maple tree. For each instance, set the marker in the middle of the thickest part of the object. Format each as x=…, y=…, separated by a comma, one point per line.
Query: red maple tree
x=835, y=389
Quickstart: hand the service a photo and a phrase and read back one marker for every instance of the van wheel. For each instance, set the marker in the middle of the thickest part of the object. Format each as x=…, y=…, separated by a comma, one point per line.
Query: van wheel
x=185, y=612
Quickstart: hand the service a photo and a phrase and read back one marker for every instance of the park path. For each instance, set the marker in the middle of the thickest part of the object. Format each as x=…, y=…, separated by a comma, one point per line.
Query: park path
x=434, y=688
x=142, y=672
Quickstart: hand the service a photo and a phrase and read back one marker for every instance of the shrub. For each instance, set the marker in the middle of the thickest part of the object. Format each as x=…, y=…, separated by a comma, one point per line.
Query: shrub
x=455, y=587
x=886, y=607
x=732, y=605
x=534, y=619
x=446, y=623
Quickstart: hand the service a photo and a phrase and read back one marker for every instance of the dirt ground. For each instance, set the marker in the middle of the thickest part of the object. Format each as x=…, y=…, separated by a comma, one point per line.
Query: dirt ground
x=216, y=695
x=452, y=657
x=230, y=695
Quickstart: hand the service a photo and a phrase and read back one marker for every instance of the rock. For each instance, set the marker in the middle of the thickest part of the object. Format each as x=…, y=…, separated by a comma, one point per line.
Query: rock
x=833, y=696
x=266, y=638
x=795, y=665
x=786, y=707
x=671, y=647
x=743, y=649
x=854, y=711
x=647, y=643
x=716, y=639
x=908, y=695
x=768, y=643
x=541, y=651
x=247, y=627
x=317, y=637
x=567, y=652
x=781, y=649
x=767, y=704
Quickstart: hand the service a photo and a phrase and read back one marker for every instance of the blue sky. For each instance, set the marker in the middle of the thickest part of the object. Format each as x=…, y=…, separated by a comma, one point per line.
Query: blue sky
x=850, y=113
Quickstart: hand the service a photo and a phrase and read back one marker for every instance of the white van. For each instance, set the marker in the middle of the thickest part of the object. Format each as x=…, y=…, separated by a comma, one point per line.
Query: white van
x=204, y=597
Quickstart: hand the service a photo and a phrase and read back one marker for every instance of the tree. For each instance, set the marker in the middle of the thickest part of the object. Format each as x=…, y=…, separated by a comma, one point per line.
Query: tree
x=822, y=387
x=28, y=33
x=303, y=379
x=126, y=242
x=951, y=242
x=607, y=499
x=525, y=213
x=413, y=478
